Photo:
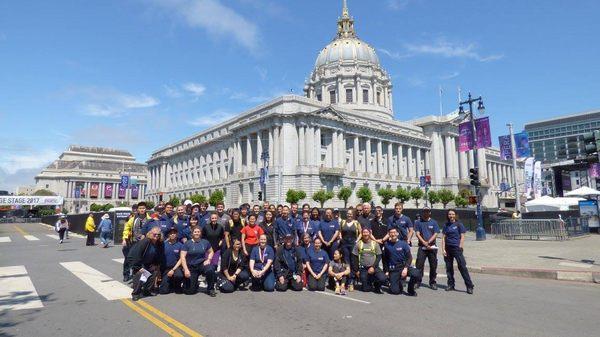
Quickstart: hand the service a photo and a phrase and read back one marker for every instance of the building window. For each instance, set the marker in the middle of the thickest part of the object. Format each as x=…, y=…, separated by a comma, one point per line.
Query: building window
x=332, y=97
x=349, y=98
x=379, y=97
x=319, y=97
x=365, y=96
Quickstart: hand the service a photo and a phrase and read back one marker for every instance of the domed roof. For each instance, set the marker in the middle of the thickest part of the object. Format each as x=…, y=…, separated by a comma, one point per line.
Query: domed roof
x=347, y=49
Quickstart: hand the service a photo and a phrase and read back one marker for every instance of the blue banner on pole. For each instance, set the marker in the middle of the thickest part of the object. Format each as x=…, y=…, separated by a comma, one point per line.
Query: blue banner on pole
x=422, y=181
x=505, y=147
x=522, y=145
x=124, y=182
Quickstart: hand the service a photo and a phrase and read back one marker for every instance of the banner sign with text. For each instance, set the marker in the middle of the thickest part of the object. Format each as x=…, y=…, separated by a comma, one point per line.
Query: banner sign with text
x=505, y=147
x=94, y=187
x=595, y=170
x=537, y=179
x=465, y=137
x=484, y=135
x=528, y=176
x=122, y=191
x=124, y=182
x=522, y=145
x=31, y=200
x=108, y=190
x=135, y=190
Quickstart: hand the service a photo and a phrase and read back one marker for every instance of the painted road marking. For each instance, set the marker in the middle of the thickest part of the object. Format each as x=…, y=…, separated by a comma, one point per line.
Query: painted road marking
x=16, y=286
x=121, y=260
x=170, y=331
x=341, y=297
x=169, y=319
x=575, y=264
x=77, y=235
x=5, y=239
x=101, y=283
x=31, y=238
x=53, y=236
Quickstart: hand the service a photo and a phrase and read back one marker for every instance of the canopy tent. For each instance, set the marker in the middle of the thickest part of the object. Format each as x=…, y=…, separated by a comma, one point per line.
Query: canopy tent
x=582, y=192
x=547, y=203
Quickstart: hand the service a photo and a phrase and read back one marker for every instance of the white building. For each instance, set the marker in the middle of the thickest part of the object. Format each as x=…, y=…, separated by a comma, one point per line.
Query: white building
x=87, y=175
x=25, y=190
x=342, y=133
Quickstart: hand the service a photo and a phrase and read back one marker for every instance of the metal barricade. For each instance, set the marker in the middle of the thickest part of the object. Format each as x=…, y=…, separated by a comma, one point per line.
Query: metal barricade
x=530, y=229
x=576, y=226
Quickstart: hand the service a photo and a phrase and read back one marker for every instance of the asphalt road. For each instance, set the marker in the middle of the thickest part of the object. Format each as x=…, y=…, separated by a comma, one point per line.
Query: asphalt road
x=69, y=299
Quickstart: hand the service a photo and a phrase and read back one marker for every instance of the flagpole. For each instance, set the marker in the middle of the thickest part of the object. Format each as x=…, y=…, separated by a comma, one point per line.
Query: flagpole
x=441, y=104
x=514, y=158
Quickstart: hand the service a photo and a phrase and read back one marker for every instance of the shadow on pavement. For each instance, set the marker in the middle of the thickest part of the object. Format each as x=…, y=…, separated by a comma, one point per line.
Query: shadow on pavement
x=585, y=261
x=24, y=315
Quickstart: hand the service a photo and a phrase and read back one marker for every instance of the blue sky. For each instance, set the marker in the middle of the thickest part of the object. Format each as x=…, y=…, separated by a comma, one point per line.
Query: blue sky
x=139, y=74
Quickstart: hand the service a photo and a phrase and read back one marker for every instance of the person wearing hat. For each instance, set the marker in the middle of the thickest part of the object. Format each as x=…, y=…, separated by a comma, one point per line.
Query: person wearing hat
x=105, y=229
x=188, y=207
x=90, y=229
x=427, y=231
x=288, y=266
x=61, y=226
x=172, y=274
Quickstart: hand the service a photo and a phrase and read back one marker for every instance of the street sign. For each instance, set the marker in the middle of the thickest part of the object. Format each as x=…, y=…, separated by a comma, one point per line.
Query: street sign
x=422, y=181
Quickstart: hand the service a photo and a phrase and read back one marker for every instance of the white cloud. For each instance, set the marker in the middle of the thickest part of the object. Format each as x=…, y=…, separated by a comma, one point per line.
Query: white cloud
x=139, y=101
x=12, y=162
x=450, y=75
x=397, y=4
x=211, y=119
x=172, y=92
x=216, y=18
x=442, y=48
x=195, y=89
x=108, y=102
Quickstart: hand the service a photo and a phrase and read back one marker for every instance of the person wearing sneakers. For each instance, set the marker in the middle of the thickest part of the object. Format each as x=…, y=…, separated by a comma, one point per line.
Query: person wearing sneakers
x=62, y=225
x=288, y=266
x=90, y=230
x=317, y=265
x=452, y=247
x=366, y=256
x=427, y=231
x=399, y=260
x=196, y=255
x=145, y=258
x=339, y=271
x=105, y=229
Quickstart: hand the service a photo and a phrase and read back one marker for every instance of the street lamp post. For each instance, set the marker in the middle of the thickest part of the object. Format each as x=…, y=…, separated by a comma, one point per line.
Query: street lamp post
x=480, y=232
x=264, y=174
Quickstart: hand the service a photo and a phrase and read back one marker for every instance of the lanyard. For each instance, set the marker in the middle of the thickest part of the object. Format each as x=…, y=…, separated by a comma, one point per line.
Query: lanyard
x=306, y=226
x=261, y=254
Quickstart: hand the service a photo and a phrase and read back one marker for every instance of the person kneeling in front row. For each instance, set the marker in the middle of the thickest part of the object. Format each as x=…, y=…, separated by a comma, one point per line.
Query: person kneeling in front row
x=400, y=267
x=261, y=263
x=366, y=256
x=317, y=264
x=233, y=268
x=172, y=275
x=196, y=255
x=144, y=258
x=288, y=266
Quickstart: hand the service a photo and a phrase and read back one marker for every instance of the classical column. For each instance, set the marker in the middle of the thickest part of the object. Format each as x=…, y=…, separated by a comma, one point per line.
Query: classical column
x=418, y=165
x=409, y=163
x=399, y=159
x=454, y=158
x=447, y=156
x=301, y=145
x=309, y=149
x=270, y=145
x=342, y=149
x=427, y=161
x=390, y=159
x=367, y=154
x=355, y=152
x=379, y=157
x=463, y=167
x=334, y=149
x=317, y=147
x=259, y=149
x=276, y=144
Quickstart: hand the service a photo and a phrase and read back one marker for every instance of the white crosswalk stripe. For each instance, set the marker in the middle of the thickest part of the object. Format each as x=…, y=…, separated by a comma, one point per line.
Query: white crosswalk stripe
x=121, y=260
x=100, y=282
x=31, y=238
x=16, y=285
x=5, y=239
x=53, y=236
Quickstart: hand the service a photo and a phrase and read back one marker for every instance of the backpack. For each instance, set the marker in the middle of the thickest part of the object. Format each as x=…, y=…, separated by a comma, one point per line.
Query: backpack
x=361, y=249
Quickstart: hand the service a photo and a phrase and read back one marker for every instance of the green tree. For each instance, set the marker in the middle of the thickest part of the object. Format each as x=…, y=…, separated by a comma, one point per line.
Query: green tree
x=402, y=194
x=364, y=194
x=460, y=201
x=386, y=195
x=198, y=198
x=107, y=207
x=95, y=208
x=121, y=204
x=433, y=198
x=293, y=196
x=149, y=204
x=464, y=193
x=175, y=201
x=322, y=196
x=416, y=194
x=344, y=194
x=446, y=196
x=216, y=197
x=43, y=193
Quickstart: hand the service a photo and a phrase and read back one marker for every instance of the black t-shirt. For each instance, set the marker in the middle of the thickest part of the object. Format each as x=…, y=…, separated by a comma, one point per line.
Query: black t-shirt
x=269, y=232
x=230, y=264
x=235, y=231
x=213, y=235
x=379, y=228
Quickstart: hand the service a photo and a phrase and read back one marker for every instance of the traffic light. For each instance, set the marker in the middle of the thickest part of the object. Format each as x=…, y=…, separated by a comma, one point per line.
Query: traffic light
x=592, y=145
x=259, y=195
x=474, y=175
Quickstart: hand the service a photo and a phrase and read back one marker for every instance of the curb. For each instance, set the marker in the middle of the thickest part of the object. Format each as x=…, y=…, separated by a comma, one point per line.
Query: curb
x=546, y=274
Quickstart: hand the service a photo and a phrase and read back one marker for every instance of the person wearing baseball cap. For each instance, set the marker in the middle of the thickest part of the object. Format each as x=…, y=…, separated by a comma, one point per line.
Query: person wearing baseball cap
x=172, y=274
x=288, y=266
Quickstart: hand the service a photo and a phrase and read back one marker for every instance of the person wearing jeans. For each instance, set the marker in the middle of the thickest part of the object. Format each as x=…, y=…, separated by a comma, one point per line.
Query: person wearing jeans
x=90, y=229
x=261, y=263
x=196, y=255
x=105, y=229
x=452, y=244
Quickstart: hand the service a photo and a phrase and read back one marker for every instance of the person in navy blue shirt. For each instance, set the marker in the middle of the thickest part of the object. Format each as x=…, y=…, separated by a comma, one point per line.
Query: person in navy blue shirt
x=288, y=266
x=284, y=225
x=317, y=264
x=180, y=221
x=305, y=225
x=261, y=263
x=294, y=214
x=203, y=215
x=402, y=223
x=329, y=233
x=172, y=275
x=400, y=267
x=145, y=257
x=196, y=254
x=452, y=247
x=427, y=231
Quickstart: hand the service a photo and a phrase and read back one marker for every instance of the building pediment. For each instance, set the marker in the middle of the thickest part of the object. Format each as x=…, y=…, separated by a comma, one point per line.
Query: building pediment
x=330, y=112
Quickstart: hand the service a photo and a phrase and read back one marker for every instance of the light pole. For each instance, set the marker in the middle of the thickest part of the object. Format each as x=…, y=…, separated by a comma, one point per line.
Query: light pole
x=480, y=232
x=264, y=174
x=514, y=160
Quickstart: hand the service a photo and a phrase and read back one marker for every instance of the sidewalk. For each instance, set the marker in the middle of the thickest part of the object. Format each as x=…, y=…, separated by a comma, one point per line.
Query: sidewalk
x=572, y=260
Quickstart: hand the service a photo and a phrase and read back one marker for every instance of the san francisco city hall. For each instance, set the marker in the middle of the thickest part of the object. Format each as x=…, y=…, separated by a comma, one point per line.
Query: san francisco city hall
x=341, y=133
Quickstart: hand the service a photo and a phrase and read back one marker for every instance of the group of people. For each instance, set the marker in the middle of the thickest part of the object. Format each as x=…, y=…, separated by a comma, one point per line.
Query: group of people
x=280, y=248
x=104, y=228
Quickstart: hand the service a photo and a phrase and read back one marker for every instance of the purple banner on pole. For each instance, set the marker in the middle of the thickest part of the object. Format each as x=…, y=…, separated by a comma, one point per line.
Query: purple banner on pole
x=595, y=170
x=484, y=136
x=122, y=192
x=505, y=147
x=134, y=191
x=465, y=137
x=108, y=191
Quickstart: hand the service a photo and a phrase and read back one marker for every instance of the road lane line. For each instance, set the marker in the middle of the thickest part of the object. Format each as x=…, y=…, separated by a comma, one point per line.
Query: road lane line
x=121, y=260
x=20, y=230
x=169, y=319
x=341, y=297
x=101, y=283
x=5, y=239
x=53, y=236
x=16, y=286
x=170, y=331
